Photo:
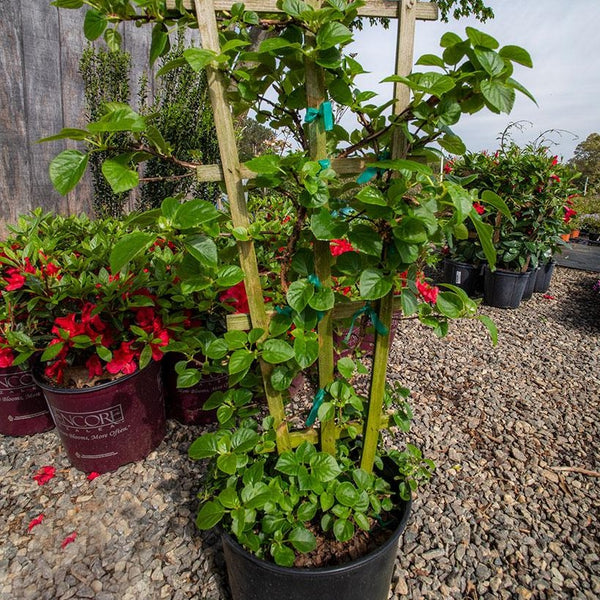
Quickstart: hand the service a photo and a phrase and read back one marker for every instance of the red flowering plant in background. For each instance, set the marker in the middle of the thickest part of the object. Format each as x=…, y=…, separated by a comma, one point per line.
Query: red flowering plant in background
x=533, y=203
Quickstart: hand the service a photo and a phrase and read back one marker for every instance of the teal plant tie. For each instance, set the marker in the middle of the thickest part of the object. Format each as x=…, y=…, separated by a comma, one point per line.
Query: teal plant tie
x=314, y=279
x=318, y=400
x=367, y=309
x=324, y=111
x=284, y=310
x=325, y=163
x=371, y=172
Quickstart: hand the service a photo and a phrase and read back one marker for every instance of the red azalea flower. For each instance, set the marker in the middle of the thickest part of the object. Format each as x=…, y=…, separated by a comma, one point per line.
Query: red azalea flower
x=69, y=325
x=15, y=280
x=554, y=161
x=94, y=366
x=29, y=268
x=286, y=219
x=50, y=269
x=338, y=247
x=6, y=357
x=145, y=317
x=44, y=475
x=236, y=297
x=36, y=521
x=428, y=292
x=68, y=540
x=478, y=208
x=123, y=360
x=93, y=476
x=555, y=177
x=56, y=370
x=163, y=339
x=347, y=290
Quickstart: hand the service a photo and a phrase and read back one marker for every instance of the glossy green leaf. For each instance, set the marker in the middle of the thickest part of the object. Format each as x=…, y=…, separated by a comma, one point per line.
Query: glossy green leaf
x=203, y=249
x=299, y=293
x=516, y=54
x=374, y=284
x=498, y=95
x=198, y=58
x=119, y=174
x=343, y=530
x=302, y=539
x=94, y=24
x=128, y=247
x=209, y=515
x=478, y=38
x=276, y=351
x=66, y=169
x=333, y=33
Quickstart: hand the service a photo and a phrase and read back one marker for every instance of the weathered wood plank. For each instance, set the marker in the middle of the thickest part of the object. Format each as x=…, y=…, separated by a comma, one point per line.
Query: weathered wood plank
x=14, y=159
x=426, y=11
x=70, y=85
x=43, y=103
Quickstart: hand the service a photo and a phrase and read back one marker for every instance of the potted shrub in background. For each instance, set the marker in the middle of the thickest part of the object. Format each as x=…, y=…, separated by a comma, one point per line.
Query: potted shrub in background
x=537, y=194
x=281, y=494
x=591, y=224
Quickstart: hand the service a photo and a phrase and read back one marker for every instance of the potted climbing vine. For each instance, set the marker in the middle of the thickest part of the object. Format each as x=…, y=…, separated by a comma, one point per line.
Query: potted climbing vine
x=298, y=504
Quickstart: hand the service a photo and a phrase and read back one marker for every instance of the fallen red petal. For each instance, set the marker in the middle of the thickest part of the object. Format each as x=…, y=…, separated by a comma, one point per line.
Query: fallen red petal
x=68, y=540
x=44, y=475
x=35, y=522
x=548, y=297
x=92, y=475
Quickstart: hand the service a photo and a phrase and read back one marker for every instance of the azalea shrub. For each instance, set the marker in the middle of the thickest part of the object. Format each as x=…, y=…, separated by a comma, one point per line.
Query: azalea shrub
x=85, y=320
x=537, y=194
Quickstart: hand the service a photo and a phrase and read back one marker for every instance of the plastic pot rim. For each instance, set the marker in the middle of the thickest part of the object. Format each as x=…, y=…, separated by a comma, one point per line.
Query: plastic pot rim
x=405, y=506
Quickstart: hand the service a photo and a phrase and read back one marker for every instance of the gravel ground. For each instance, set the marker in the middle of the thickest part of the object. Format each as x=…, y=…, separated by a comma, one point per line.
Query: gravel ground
x=511, y=513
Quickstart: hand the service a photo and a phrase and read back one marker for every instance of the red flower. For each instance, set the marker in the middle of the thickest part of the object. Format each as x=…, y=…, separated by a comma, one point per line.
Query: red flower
x=94, y=366
x=145, y=317
x=44, y=475
x=478, y=208
x=428, y=292
x=555, y=177
x=36, y=521
x=93, y=476
x=448, y=167
x=68, y=540
x=6, y=357
x=236, y=297
x=286, y=219
x=569, y=214
x=123, y=360
x=69, y=325
x=15, y=280
x=338, y=247
x=163, y=340
x=50, y=269
x=554, y=161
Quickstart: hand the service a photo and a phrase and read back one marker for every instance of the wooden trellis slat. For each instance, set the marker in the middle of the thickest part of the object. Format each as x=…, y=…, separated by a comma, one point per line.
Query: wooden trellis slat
x=425, y=11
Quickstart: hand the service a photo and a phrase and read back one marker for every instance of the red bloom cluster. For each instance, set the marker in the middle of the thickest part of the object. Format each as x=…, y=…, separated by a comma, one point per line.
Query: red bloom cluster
x=569, y=214
x=6, y=354
x=478, y=208
x=147, y=319
x=429, y=293
x=16, y=276
x=338, y=247
x=237, y=297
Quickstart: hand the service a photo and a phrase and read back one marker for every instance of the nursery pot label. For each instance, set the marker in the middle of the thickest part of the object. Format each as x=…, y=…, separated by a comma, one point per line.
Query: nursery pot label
x=67, y=421
x=23, y=409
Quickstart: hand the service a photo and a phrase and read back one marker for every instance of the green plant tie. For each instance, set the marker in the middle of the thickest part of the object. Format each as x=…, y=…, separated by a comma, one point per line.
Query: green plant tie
x=324, y=111
x=367, y=309
x=317, y=401
x=371, y=172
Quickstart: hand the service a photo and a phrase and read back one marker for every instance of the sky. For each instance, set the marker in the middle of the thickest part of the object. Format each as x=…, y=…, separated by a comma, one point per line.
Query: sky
x=563, y=39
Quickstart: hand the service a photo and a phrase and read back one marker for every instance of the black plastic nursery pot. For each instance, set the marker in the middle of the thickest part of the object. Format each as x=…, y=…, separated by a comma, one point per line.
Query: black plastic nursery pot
x=366, y=578
x=23, y=408
x=463, y=275
x=504, y=289
x=543, y=278
x=530, y=285
x=111, y=424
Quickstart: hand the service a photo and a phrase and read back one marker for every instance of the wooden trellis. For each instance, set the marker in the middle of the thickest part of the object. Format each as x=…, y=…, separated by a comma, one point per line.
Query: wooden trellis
x=232, y=173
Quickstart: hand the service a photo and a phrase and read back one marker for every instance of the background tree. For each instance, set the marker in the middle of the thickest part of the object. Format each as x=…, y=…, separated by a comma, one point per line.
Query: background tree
x=586, y=159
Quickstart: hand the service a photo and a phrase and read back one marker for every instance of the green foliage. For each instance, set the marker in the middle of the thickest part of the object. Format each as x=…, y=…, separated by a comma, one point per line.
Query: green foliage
x=586, y=160
x=106, y=79
x=182, y=114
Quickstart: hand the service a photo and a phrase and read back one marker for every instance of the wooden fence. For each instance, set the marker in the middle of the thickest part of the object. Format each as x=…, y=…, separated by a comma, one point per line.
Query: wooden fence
x=41, y=92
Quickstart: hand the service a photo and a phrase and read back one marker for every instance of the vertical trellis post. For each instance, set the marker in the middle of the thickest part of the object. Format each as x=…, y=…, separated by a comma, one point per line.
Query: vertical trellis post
x=404, y=60
x=207, y=26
